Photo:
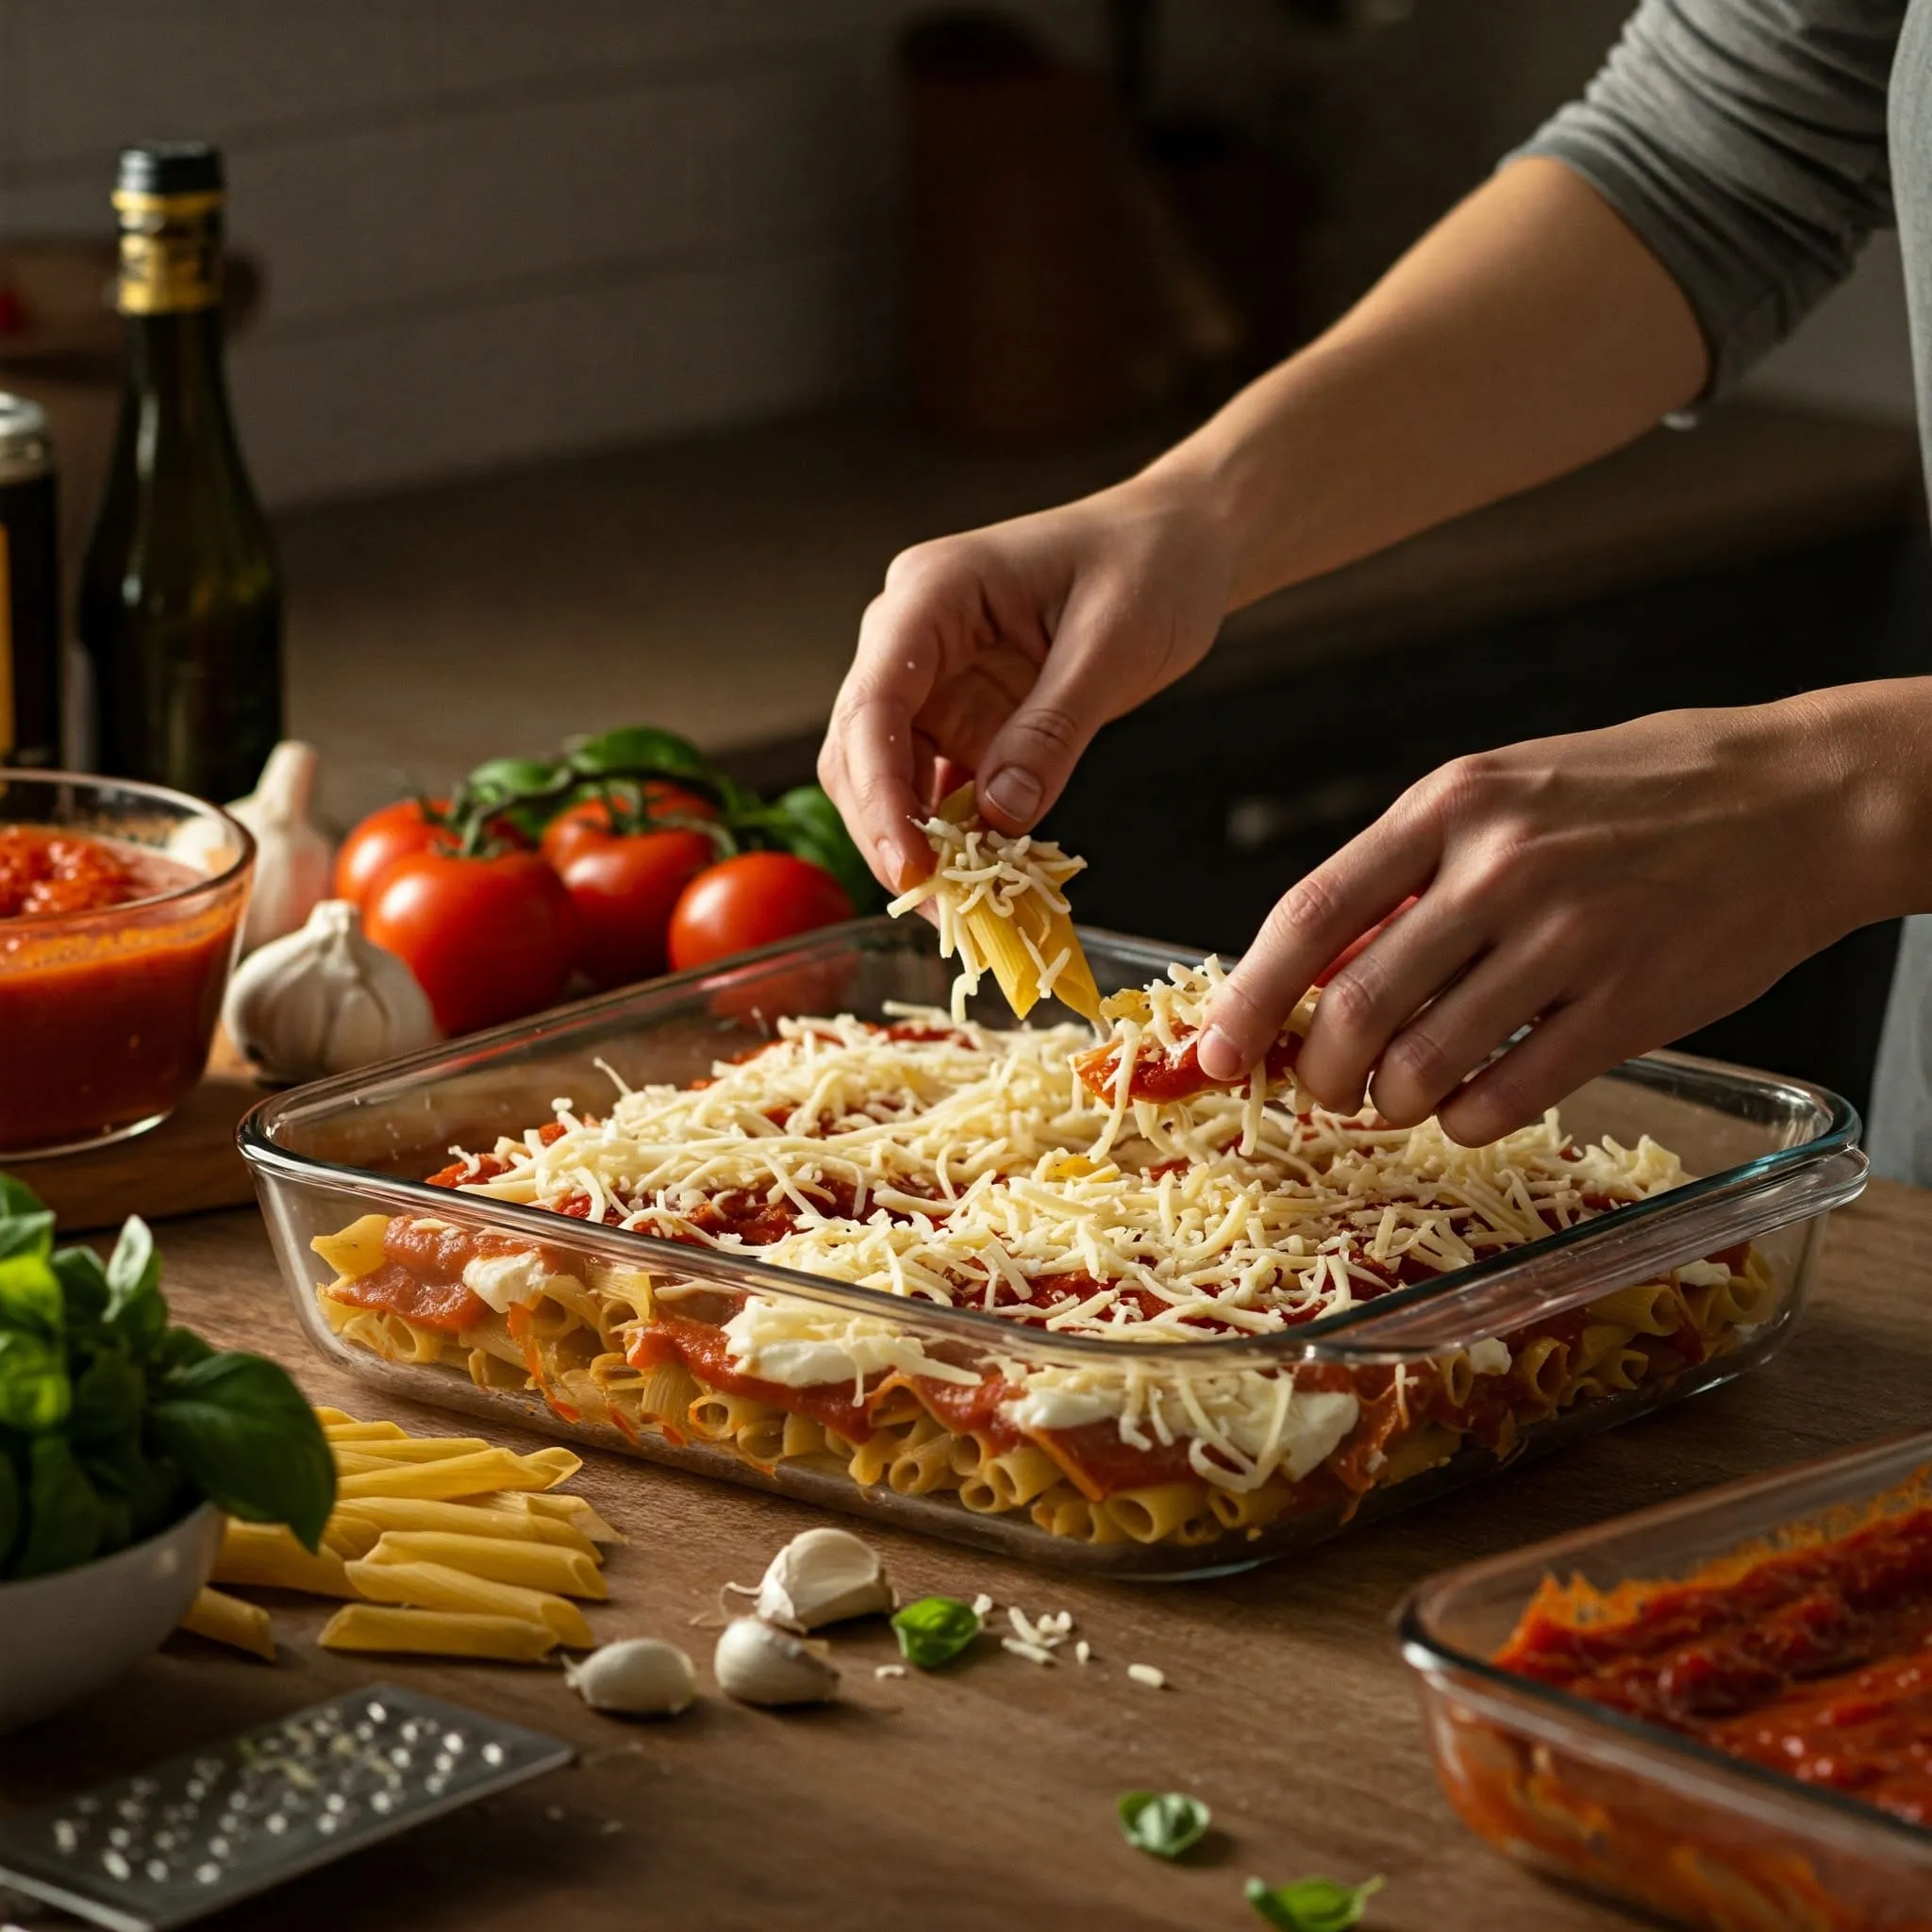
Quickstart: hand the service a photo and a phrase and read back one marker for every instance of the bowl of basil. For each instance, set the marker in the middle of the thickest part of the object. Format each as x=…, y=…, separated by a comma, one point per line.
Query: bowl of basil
x=124, y=1440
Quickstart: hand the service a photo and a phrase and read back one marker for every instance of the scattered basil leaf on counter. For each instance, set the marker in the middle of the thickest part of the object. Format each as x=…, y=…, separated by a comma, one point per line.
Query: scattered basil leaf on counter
x=241, y=1429
x=934, y=1631
x=1165, y=1823
x=1312, y=1905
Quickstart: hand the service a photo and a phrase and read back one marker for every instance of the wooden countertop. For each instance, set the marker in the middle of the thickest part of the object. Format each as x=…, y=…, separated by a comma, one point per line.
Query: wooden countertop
x=714, y=586
x=984, y=1796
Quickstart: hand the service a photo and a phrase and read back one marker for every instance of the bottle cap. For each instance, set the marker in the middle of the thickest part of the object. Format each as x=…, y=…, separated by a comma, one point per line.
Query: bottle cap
x=171, y=167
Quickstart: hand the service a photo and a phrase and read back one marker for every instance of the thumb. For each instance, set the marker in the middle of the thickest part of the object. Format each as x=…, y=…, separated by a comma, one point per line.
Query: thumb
x=1033, y=754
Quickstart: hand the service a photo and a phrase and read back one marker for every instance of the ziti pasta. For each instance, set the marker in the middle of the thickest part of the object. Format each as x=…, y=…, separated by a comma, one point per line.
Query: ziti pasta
x=944, y=1165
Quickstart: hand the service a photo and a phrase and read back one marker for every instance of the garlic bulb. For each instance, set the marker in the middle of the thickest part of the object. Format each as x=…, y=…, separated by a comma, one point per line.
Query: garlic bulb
x=758, y=1664
x=292, y=858
x=325, y=1000
x=822, y=1577
x=639, y=1676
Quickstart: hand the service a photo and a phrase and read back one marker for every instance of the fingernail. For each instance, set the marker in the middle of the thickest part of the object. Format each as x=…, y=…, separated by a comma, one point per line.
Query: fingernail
x=1220, y=1058
x=1014, y=792
x=890, y=865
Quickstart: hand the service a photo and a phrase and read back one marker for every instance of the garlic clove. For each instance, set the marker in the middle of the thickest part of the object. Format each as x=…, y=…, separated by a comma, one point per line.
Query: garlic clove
x=325, y=1000
x=758, y=1664
x=823, y=1577
x=292, y=858
x=639, y=1676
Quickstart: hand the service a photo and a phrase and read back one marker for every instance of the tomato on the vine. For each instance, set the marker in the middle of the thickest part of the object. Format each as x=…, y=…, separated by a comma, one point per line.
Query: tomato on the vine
x=624, y=886
x=488, y=938
x=594, y=820
x=752, y=899
x=396, y=831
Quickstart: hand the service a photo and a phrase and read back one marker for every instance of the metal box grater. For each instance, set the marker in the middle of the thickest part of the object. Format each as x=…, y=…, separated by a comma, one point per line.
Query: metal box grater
x=196, y=1833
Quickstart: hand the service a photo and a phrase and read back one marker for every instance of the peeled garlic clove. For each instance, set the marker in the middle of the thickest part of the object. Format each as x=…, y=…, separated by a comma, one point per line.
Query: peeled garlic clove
x=639, y=1676
x=823, y=1577
x=325, y=1000
x=758, y=1664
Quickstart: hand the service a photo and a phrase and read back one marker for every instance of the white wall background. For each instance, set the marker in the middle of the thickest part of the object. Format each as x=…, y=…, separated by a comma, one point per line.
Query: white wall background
x=497, y=229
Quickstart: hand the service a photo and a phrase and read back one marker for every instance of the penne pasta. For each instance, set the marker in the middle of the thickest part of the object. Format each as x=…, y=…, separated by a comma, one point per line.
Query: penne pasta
x=462, y=1475
x=267, y=1555
x=358, y=1526
x=436, y=1587
x=437, y=1633
x=355, y=1250
x=362, y=1432
x=379, y=1453
x=500, y=1559
x=224, y=1619
x=576, y=1511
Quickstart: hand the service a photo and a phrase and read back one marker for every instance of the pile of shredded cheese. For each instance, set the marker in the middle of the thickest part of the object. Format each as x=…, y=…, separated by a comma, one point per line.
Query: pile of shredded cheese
x=985, y=871
x=965, y=1166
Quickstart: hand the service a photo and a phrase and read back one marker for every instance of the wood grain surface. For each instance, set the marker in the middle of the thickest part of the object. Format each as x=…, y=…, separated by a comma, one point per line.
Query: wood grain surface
x=983, y=1796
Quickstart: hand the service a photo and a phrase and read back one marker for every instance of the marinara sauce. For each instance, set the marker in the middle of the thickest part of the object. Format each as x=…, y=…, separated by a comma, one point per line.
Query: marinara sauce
x=111, y=973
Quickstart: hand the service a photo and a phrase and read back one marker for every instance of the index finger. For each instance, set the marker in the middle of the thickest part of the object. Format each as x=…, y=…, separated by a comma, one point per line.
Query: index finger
x=1309, y=926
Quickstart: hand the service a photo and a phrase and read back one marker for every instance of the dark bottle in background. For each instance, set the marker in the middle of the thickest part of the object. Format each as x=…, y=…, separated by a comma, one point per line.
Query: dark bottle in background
x=180, y=617
x=30, y=655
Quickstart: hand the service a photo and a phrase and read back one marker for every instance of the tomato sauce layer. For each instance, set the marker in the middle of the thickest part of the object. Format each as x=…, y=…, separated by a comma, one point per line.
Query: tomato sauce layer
x=106, y=1005
x=1816, y=1663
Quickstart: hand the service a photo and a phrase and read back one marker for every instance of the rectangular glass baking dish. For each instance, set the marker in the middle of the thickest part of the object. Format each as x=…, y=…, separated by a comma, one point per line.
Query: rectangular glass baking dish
x=1774, y=1155
x=1637, y=1811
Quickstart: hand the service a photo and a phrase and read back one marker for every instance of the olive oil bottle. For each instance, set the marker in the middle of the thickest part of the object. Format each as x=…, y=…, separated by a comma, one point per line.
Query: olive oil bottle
x=180, y=617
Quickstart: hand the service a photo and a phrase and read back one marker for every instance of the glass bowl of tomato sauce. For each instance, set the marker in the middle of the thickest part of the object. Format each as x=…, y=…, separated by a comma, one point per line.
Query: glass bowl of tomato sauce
x=120, y=908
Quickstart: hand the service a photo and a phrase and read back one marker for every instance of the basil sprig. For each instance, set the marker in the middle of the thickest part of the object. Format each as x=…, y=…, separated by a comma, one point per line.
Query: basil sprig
x=1311, y=1905
x=934, y=1631
x=1165, y=1823
x=114, y=1424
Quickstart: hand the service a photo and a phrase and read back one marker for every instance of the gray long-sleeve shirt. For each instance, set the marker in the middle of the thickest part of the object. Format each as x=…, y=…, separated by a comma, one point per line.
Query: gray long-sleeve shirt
x=1754, y=145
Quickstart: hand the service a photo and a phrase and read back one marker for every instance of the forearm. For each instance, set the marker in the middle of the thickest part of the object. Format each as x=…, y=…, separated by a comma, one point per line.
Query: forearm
x=1529, y=332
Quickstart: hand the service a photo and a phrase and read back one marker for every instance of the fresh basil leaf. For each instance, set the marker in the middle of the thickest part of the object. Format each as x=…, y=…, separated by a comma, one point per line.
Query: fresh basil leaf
x=63, y=1513
x=1163, y=1822
x=108, y=1397
x=153, y=1487
x=639, y=750
x=35, y=1393
x=10, y=1508
x=83, y=1285
x=26, y=1225
x=934, y=1631
x=516, y=779
x=179, y=1349
x=1311, y=1905
x=239, y=1428
x=137, y=1311
x=30, y=1298
x=809, y=823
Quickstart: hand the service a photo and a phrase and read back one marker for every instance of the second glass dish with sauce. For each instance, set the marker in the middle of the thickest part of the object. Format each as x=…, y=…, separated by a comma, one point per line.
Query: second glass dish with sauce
x=1075, y=1408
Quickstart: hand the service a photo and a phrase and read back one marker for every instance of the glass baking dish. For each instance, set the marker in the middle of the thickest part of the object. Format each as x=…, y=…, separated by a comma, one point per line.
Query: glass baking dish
x=1626, y=1807
x=1773, y=1155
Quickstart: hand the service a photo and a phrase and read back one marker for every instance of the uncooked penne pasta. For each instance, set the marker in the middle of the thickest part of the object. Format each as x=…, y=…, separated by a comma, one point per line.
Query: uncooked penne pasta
x=436, y=1587
x=437, y=1633
x=578, y=1511
x=224, y=1619
x=357, y=1525
x=503, y=1559
x=474, y=1474
x=363, y=1432
x=375, y=1454
x=267, y=1555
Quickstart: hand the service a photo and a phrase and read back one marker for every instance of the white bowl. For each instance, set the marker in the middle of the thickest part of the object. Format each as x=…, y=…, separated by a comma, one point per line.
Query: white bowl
x=63, y=1637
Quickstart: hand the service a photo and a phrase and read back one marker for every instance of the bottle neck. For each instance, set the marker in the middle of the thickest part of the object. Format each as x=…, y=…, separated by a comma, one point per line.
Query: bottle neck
x=175, y=373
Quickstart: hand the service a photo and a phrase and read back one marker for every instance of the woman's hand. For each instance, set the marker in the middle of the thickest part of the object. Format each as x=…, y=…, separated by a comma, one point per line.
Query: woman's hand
x=1000, y=654
x=1611, y=891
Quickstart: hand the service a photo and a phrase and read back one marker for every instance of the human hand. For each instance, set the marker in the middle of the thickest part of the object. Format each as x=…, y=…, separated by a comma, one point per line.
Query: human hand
x=1610, y=891
x=1001, y=652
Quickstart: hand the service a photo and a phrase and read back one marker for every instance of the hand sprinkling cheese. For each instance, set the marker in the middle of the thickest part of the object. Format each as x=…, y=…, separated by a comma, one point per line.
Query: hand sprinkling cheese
x=1000, y=908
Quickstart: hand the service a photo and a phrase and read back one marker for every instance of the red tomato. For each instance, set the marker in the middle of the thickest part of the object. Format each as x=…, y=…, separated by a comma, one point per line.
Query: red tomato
x=624, y=886
x=1361, y=945
x=567, y=831
x=394, y=832
x=488, y=938
x=751, y=901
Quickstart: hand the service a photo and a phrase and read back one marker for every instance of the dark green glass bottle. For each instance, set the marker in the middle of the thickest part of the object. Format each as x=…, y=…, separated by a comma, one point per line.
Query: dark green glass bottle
x=180, y=612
